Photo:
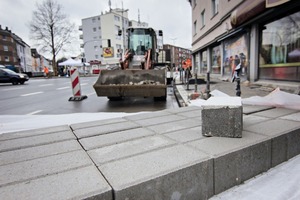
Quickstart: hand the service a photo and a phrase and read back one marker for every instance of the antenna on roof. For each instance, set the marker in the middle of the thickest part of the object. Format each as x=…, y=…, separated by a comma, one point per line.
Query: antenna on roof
x=139, y=21
x=109, y=4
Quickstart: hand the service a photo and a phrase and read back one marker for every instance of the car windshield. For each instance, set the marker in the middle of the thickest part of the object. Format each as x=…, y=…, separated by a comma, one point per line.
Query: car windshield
x=9, y=71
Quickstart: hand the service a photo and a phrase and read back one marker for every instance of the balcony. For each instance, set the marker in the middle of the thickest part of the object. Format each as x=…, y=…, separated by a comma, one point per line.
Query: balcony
x=80, y=28
x=81, y=36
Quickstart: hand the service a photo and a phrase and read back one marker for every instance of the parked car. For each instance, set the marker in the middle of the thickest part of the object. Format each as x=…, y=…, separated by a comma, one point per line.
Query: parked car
x=9, y=76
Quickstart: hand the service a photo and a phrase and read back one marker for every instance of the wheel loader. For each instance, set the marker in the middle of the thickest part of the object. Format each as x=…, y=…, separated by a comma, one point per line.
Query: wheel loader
x=138, y=73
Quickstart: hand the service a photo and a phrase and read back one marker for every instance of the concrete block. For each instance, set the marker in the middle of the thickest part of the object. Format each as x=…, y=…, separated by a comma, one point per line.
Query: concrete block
x=293, y=141
x=186, y=135
x=292, y=117
x=147, y=115
x=249, y=120
x=129, y=148
x=159, y=120
x=25, y=142
x=249, y=109
x=279, y=150
x=20, y=155
x=104, y=129
x=34, y=132
x=234, y=168
x=176, y=172
x=175, y=126
x=33, y=169
x=97, y=123
x=222, y=117
x=82, y=183
x=275, y=113
x=274, y=127
x=114, y=138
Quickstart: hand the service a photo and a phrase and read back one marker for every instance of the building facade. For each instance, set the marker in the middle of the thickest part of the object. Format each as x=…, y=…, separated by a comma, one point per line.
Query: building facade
x=178, y=55
x=100, y=36
x=14, y=52
x=263, y=36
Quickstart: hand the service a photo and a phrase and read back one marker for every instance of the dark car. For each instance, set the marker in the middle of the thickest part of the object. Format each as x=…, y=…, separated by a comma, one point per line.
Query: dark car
x=9, y=76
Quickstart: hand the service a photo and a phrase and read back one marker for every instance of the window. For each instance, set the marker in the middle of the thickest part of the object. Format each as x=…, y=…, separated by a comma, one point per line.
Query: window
x=195, y=28
x=96, y=56
x=6, y=58
x=117, y=18
x=94, y=29
x=215, y=7
x=93, y=20
x=203, y=18
x=4, y=37
x=194, y=3
x=96, y=48
x=5, y=48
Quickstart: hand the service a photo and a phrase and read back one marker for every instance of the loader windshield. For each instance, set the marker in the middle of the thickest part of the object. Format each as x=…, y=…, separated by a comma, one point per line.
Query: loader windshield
x=140, y=40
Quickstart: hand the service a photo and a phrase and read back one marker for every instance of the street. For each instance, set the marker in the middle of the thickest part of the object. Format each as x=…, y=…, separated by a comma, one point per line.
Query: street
x=50, y=96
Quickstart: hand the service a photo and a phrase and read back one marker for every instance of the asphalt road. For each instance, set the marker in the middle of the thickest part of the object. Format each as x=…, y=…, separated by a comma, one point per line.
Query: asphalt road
x=50, y=96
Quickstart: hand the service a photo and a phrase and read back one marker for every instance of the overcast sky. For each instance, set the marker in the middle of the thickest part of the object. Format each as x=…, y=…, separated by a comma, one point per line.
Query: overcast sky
x=171, y=16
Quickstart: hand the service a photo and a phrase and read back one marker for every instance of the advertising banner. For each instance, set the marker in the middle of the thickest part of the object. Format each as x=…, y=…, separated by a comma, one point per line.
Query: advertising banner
x=108, y=52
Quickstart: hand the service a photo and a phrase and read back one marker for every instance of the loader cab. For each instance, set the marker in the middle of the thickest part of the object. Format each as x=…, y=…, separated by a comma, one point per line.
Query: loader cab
x=141, y=39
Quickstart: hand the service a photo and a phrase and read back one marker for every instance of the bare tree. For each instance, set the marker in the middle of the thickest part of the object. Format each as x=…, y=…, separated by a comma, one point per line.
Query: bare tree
x=51, y=29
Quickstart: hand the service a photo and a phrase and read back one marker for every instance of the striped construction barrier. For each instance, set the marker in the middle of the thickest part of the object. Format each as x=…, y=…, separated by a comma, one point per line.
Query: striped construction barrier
x=76, y=86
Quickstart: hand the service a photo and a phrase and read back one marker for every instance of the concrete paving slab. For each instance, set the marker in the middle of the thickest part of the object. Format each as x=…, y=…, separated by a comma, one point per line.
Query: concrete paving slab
x=183, y=109
x=114, y=138
x=249, y=109
x=33, y=169
x=274, y=127
x=96, y=123
x=275, y=113
x=82, y=183
x=159, y=120
x=147, y=115
x=26, y=154
x=34, y=132
x=249, y=120
x=195, y=114
x=129, y=148
x=170, y=173
x=175, y=126
x=219, y=146
x=293, y=117
x=104, y=129
x=238, y=166
x=24, y=142
x=186, y=135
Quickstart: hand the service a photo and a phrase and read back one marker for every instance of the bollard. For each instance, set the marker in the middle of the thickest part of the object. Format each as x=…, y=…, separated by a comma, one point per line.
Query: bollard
x=238, y=87
x=76, y=86
x=196, y=82
x=207, y=86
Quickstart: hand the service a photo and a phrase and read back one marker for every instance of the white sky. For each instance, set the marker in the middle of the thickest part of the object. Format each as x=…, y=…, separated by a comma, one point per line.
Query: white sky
x=171, y=16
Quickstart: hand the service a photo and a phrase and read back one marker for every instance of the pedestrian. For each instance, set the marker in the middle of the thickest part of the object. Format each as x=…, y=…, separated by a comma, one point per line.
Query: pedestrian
x=46, y=72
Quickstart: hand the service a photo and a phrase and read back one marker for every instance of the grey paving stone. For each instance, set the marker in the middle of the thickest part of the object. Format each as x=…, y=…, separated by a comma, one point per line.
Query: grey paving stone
x=104, y=129
x=96, y=123
x=170, y=173
x=292, y=117
x=183, y=109
x=236, y=167
x=82, y=183
x=274, y=127
x=114, y=138
x=222, y=117
x=159, y=120
x=293, y=141
x=29, y=170
x=34, y=132
x=219, y=146
x=147, y=115
x=32, y=141
x=194, y=114
x=31, y=153
x=186, y=135
x=175, y=126
x=129, y=148
x=249, y=109
x=275, y=113
x=249, y=120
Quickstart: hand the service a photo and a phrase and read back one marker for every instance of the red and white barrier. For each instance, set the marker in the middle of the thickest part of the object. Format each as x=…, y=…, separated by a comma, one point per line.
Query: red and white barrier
x=76, y=86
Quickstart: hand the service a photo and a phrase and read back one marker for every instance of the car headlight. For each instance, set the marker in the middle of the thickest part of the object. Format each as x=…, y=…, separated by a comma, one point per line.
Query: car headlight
x=21, y=76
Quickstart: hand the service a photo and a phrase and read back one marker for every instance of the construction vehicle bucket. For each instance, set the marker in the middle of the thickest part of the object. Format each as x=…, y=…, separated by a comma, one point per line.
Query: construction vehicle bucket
x=131, y=83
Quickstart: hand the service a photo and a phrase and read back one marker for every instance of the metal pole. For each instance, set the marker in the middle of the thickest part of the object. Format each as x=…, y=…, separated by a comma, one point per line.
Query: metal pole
x=207, y=85
x=196, y=84
x=238, y=87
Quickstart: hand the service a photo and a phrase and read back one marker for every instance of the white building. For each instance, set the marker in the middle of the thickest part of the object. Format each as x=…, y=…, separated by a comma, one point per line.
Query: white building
x=99, y=31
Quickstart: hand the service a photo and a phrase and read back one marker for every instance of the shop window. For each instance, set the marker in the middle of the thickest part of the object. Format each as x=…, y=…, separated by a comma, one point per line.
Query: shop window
x=203, y=67
x=279, y=57
x=216, y=60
